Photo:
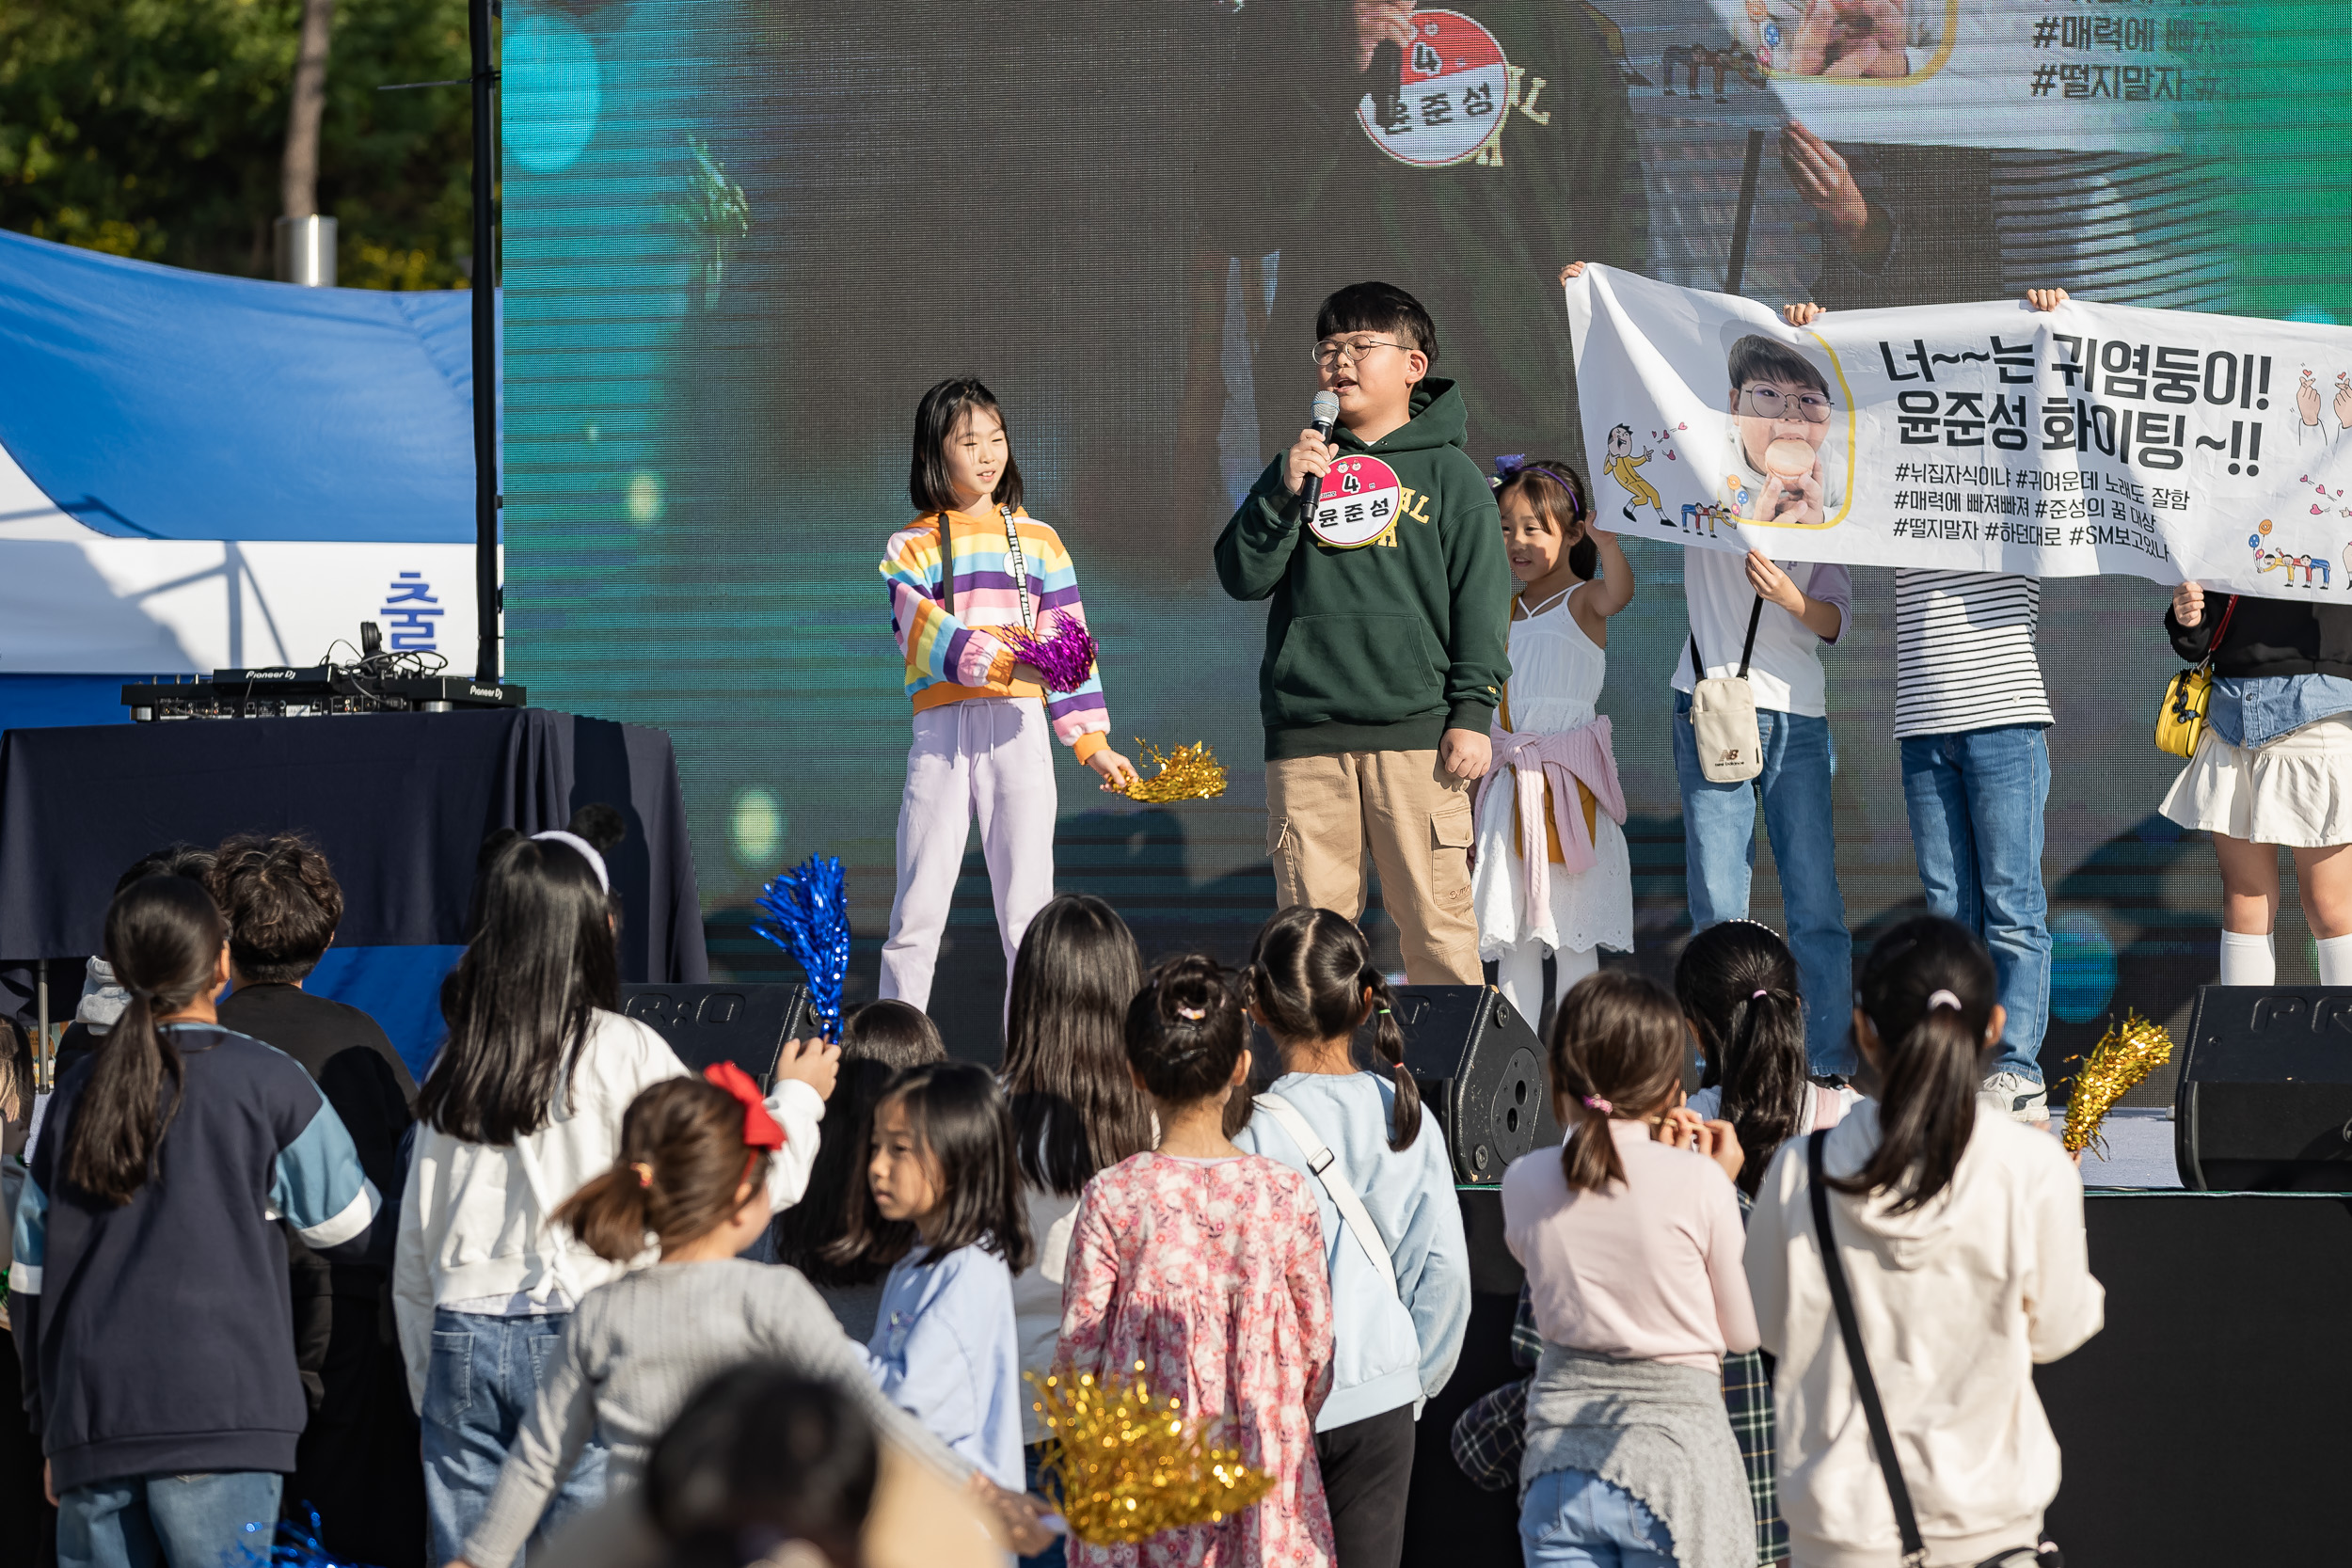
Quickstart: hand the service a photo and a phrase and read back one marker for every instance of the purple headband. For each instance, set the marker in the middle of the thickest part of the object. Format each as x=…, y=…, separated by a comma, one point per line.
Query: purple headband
x=1510, y=467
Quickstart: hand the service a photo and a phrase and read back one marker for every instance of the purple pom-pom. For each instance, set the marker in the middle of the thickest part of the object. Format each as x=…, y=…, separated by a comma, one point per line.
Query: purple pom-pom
x=1065, y=658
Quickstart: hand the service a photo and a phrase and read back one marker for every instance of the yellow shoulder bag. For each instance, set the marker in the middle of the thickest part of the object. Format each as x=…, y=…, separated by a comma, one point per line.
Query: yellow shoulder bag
x=2181, y=717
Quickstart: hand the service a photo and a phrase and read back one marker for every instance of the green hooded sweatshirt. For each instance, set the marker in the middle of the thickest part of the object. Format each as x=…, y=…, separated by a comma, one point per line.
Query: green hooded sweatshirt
x=1385, y=646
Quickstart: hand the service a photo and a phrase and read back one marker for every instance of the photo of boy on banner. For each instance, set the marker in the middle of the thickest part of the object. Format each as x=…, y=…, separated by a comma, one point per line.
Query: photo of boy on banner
x=1781, y=464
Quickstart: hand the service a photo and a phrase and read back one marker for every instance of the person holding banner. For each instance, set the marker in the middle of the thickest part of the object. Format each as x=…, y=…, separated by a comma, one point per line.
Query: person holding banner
x=2273, y=767
x=1970, y=718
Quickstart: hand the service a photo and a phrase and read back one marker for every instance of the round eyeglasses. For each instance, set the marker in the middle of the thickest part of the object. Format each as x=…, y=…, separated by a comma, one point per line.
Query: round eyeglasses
x=1770, y=403
x=1328, y=354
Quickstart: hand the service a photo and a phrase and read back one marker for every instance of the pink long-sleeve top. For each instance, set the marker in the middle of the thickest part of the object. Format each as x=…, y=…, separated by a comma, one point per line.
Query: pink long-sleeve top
x=1651, y=1270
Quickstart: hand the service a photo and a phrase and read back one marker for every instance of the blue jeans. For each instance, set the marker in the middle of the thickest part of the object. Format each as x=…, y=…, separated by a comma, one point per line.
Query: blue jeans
x=1056, y=1555
x=1719, y=857
x=1975, y=801
x=1574, y=1519
x=148, y=1521
x=483, y=1378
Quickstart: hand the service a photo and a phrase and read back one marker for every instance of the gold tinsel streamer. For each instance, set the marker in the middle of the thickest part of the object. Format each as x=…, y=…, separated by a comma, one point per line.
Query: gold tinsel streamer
x=1188, y=774
x=2126, y=1053
x=1125, y=1466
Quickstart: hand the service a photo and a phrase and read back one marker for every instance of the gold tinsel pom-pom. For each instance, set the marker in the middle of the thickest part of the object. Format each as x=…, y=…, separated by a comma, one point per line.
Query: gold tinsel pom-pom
x=1125, y=1465
x=1188, y=774
x=2125, y=1054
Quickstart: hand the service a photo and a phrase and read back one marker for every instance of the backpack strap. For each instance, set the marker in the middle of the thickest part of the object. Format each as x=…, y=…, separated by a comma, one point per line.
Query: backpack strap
x=1321, y=1160
x=947, y=566
x=1865, y=1387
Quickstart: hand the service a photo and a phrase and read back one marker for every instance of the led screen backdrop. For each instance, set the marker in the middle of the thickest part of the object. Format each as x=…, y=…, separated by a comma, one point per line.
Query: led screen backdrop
x=741, y=238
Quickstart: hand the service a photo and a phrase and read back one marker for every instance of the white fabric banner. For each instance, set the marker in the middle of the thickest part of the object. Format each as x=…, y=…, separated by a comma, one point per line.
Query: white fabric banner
x=2095, y=440
x=73, y=600
x=2048, y=73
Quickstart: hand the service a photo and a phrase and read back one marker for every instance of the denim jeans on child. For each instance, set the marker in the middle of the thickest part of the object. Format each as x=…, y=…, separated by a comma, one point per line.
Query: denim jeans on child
x=1976, y=801
x=1719, y=857
x=230, y=1519
x=1574, y=1519
x=482, y=1379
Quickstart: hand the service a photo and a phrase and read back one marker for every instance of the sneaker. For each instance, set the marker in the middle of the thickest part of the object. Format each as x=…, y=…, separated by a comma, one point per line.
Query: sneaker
x=2016, y=1096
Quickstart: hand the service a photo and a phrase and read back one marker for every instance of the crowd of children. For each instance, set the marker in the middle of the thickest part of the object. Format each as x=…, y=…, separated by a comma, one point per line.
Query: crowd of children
x=581, y=1244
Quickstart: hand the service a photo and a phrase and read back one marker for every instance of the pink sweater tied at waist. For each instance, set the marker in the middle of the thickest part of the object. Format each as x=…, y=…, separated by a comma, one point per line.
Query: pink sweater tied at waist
x=1580, y=754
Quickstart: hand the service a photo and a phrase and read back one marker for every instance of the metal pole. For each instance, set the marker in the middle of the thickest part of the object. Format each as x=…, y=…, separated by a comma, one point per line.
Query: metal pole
x=45, y=1072
x=485, y=365
x=1747, y=211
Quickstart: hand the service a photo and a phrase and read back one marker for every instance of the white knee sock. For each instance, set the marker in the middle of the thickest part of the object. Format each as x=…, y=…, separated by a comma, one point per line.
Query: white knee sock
x=2335, y=961
x=2250, y=960
x=1574, y=966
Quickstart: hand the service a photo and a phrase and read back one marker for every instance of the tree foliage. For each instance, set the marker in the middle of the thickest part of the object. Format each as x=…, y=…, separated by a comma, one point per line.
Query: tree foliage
x=155, y=128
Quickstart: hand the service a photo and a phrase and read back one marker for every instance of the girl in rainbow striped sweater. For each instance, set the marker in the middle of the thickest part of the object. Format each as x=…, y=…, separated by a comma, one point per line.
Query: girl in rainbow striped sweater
x=980, y=714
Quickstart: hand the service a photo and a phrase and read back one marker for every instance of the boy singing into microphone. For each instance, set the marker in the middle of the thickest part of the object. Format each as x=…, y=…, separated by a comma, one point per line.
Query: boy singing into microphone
x=1385, y=643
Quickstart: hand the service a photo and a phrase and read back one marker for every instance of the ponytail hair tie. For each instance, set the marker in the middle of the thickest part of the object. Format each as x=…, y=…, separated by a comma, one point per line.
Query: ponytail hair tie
x=1943, y=999
x=645, y=1173
x=1758, y=995
x=1192, y=1015
x=1594, y=1102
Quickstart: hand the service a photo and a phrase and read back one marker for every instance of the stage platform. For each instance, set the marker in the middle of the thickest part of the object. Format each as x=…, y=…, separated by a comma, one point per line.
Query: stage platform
x=2201, y=1427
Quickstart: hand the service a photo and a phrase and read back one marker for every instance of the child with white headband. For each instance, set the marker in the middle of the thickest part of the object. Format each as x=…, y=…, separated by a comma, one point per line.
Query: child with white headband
x=521, y=1107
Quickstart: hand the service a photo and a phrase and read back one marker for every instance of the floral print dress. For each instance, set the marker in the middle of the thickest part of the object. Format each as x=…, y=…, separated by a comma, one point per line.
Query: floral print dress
x=1211, y=1272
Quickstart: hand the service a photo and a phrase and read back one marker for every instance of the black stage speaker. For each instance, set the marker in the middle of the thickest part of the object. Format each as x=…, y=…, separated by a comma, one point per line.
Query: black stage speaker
x=1481, y=1071
x=707, y=1024
x=2264, y=1099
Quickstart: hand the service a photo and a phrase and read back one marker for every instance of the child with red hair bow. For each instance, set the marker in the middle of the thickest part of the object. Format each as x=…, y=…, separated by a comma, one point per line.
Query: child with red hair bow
x=692, y=1177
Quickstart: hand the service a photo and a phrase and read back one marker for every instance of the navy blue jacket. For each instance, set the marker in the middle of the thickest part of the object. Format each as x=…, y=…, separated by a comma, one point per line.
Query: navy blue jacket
x=157, y=1337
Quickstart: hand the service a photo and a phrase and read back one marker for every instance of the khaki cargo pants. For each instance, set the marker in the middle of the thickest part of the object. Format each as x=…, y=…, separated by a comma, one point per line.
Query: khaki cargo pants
x=1322, y=814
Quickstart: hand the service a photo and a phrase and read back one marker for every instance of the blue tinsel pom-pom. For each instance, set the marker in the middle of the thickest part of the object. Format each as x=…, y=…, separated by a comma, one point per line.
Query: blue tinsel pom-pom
x=806, y=912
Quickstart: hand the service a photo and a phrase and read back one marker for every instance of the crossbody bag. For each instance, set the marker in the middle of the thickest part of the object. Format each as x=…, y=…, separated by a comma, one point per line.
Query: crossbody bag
x=1866, y=1390
x=1722, y=714
x=2181, y=717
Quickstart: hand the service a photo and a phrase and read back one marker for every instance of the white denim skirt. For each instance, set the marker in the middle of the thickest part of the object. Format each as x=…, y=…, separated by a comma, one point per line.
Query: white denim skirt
x=2295, y=790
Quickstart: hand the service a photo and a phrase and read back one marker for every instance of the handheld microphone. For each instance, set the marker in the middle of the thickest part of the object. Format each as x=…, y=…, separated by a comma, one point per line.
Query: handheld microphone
x=1325, y=414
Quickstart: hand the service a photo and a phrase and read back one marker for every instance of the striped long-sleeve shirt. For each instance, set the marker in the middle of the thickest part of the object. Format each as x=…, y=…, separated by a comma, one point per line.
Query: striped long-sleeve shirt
x=951, y=654
x=1964, y=652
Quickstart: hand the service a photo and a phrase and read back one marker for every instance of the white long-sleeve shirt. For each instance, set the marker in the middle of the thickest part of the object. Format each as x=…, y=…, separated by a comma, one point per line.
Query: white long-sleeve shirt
x=474, y=1226
x=1957, y=1302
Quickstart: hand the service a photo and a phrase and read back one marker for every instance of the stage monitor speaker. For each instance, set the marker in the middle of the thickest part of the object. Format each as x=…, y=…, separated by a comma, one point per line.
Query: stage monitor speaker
x=1481, y=1071
x=2264, y=1098
x=712, y=1024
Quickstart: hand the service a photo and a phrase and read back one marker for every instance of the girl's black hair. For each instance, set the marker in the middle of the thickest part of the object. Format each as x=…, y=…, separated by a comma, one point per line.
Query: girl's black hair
x=1617, y=1038
x=1312, y=978
x=520, y=1003
x=163, y=938
x=761, y=1456
x=936, y=417
x=1754, y=1044
x=1074, y=1109
x=879, y=1041
x=965, y=1127
x=1185, y=1030
x=1930, y=1058
x=1557, y=492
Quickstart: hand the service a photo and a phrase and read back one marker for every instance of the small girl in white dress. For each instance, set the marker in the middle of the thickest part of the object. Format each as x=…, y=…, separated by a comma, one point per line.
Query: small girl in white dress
x=1552, y=872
